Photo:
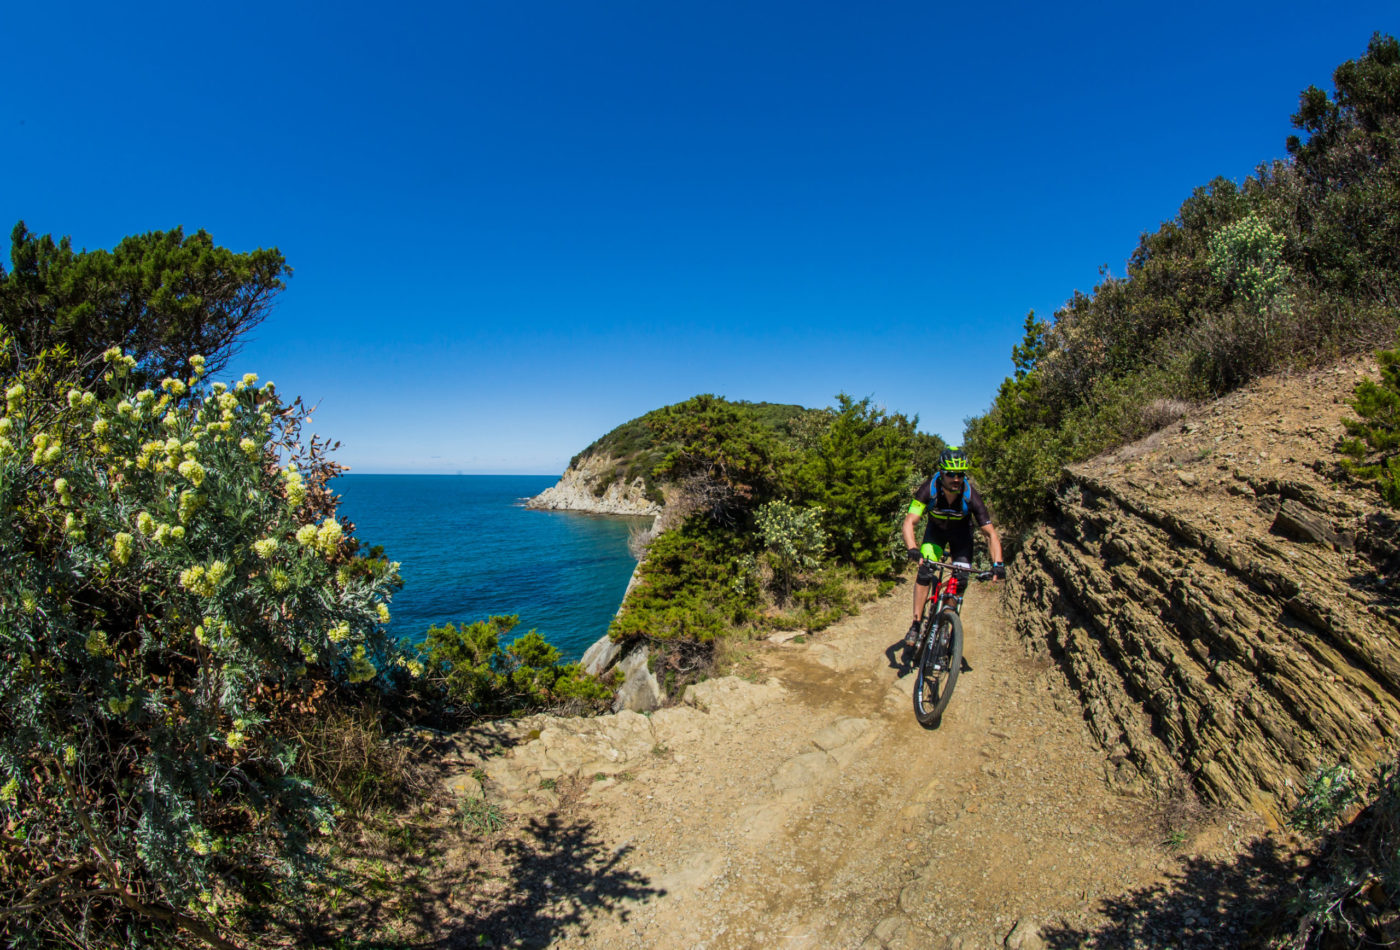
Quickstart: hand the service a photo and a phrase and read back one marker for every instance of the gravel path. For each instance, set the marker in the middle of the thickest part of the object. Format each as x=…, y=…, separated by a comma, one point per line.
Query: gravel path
x=807, y=808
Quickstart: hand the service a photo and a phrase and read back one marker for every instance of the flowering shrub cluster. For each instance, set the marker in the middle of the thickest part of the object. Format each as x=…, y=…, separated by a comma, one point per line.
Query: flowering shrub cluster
x=172, y=582
x=1246, y=256
x=793, y=539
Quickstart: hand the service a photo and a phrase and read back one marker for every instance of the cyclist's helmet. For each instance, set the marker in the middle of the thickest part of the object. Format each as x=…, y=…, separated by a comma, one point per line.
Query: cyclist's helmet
x=953, y=459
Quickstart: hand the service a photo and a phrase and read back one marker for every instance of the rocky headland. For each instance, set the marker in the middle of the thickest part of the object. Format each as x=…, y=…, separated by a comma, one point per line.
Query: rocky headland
x=590, y=485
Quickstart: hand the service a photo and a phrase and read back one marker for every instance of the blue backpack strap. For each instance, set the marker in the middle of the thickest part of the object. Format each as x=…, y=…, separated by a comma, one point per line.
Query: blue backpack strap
x=937, y=487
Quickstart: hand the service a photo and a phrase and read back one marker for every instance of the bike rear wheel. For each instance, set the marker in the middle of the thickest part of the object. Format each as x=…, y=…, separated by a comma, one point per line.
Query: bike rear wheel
x=938, y=665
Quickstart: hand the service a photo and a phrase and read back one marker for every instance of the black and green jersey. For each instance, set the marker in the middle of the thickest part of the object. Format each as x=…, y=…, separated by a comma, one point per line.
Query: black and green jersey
x=967, y=504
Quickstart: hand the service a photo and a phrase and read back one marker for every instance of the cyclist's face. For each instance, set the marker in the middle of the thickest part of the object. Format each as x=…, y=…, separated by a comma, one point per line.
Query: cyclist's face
x=953, y=480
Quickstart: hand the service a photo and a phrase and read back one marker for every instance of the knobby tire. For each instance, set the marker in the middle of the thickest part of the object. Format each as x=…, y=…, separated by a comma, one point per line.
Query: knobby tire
x=933, y=687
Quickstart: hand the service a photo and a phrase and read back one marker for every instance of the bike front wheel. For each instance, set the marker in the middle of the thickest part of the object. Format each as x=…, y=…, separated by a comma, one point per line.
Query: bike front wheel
x=937, y=672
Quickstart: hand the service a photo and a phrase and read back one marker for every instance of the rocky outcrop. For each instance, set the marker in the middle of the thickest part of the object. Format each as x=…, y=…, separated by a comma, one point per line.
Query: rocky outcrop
x=592, y=485
x=1213, y=595
x=640, y=690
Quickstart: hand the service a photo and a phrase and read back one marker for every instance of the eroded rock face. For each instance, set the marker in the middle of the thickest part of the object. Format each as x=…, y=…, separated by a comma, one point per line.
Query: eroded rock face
x=600, y=657
x=1212, y=593
x=577, y=490
x=640, y=691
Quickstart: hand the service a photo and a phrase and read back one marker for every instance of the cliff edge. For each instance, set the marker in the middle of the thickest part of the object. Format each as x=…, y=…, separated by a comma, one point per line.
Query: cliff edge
x=590, y=485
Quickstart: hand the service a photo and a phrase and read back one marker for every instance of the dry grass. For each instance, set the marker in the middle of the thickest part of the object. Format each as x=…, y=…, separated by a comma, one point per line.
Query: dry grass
x=1160, y=413
x=639, y=538
x=344, y=749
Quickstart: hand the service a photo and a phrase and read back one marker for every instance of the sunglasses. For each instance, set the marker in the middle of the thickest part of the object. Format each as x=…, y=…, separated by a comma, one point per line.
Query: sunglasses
x=954, y=476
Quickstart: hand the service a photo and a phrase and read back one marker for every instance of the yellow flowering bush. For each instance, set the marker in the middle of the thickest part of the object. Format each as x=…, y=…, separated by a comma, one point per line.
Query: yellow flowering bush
x=170, y=563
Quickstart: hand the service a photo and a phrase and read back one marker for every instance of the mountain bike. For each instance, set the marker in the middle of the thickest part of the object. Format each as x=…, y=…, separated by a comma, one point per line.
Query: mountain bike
x=938, y=650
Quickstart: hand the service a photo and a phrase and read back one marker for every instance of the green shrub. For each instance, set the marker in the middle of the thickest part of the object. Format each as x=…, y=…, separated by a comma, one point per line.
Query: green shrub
x=1327, y=795
x=824, y=602
x=485, y=679
x=168, y=589
x=1246, y=258
x=793, y=540
x=857, y=473
x=686, y=586
x=1350, y=889
x=1296, y=266
x=1373, y=449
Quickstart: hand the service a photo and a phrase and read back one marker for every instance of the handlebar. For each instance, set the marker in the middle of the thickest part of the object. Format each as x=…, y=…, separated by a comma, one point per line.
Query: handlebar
x=958, y=569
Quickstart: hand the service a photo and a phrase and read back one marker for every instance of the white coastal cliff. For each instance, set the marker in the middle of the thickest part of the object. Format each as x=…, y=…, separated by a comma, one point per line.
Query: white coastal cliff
x=575, y=492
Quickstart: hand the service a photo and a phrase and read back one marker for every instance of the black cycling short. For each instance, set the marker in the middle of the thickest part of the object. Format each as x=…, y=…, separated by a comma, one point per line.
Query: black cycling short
x=954, y=541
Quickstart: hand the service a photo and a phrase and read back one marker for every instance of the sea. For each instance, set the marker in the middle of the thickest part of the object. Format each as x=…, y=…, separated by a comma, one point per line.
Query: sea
x=470, y=549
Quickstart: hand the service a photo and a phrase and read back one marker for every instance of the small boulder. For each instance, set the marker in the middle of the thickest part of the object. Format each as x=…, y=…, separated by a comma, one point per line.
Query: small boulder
x=640, y=690
x=600, y=656
x=1025, y=936
x=465, y=785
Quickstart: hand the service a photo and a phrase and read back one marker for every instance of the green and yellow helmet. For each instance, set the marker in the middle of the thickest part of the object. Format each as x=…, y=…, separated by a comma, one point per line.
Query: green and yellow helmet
x=953, y=459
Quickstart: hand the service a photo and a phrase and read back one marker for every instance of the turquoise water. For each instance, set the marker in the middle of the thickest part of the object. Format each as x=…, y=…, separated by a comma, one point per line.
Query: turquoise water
x=469, y=549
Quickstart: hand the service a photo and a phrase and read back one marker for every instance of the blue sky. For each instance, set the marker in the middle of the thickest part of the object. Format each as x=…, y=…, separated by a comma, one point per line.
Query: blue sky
x=515, y=225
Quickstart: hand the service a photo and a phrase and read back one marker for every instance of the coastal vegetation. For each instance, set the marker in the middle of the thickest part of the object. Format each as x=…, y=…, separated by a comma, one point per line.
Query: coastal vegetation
x=196, y=683
x=197, y=689
x=471, y=669
x=175, y=583
x=1297, y=265
x=647, y=447
x=781, y=518
x=161, y=296
x=1291, y=269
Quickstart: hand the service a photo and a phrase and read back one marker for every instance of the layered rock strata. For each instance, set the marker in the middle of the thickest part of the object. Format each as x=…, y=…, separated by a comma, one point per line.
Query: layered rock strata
x=1216, y=595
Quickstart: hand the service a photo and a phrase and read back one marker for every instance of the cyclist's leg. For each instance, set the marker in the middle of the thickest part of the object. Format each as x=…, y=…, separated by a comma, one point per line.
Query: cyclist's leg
x=960, y=545
x=960, y=554
x=934, y=544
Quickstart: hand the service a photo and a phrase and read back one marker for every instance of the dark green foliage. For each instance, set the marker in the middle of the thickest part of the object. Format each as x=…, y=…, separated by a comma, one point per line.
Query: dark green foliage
x=824, y=602
x=791, y=508
x=670, y=443
x=858, y=474
x=485, y=679
x=1373, y=449
x=1297, y=265
x=690, y=585
x=1033, y=346
x=719, y=440
x=160, y=296
x=1327, y=796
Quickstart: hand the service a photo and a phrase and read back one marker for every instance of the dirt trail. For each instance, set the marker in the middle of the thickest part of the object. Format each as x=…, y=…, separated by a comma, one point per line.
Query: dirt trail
x=813, y=811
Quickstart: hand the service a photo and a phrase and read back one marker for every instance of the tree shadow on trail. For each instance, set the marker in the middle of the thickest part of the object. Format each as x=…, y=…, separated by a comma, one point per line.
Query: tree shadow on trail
x=1205, y=904
x=524, y=887
x=560, y=874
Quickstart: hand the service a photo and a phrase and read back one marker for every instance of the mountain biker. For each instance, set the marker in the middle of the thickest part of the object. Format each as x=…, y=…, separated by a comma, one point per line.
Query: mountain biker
x=951, y=504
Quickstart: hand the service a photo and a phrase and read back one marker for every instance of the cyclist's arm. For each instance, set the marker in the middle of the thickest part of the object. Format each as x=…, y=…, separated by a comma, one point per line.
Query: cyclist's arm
x=993, y=542
x=911, y=521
